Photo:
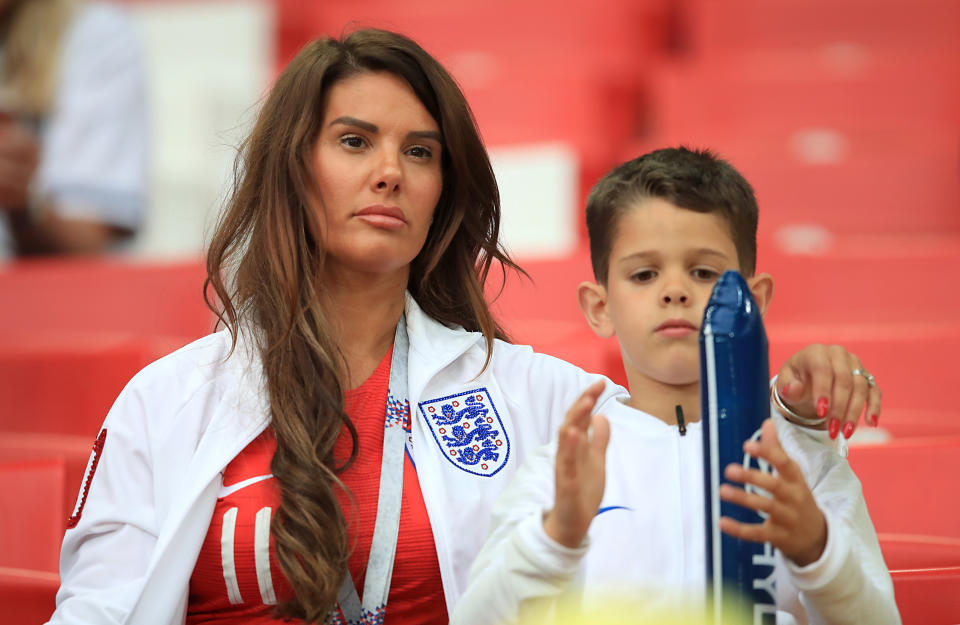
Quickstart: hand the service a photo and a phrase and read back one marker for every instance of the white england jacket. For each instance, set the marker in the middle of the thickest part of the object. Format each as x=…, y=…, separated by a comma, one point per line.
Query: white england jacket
x=647, y=543
x=182, y=419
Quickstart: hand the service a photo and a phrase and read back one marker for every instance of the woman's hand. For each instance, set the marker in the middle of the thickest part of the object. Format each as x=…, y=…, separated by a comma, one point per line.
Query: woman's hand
x=580, y=470
x=829, y=381
x=794, y=523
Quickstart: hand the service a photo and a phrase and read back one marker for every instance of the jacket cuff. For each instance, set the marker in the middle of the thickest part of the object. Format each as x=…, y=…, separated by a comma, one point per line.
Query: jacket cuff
x=820, y=573
x=549, y=556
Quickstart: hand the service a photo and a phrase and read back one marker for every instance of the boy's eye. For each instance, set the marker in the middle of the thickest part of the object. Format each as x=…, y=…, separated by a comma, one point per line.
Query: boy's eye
x=702, y=273
x=645, y=275
x=420, y=151
x=352, y=141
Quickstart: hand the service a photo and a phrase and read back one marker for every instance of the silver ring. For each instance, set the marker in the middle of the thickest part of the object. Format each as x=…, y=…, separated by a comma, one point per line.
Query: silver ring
x=866, y=374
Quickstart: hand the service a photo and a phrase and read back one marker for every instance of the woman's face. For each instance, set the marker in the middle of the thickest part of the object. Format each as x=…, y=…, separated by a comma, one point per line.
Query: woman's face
x=377, y=165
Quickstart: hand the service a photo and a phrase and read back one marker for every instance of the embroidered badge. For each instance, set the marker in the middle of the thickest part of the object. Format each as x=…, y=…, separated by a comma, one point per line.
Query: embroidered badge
x=469, y=431
x=87, y=478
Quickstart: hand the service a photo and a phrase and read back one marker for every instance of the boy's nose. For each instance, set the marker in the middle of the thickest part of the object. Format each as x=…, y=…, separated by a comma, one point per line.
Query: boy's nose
x=675, y=292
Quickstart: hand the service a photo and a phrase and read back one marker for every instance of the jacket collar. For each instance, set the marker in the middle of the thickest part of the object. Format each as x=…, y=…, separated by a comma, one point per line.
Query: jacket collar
x=435, y=345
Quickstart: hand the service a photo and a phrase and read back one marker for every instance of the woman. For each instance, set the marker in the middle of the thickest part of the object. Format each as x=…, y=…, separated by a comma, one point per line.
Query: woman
x=362, y=401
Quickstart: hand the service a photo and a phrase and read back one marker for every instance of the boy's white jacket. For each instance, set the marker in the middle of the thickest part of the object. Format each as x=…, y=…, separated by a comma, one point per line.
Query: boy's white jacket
x=646, y=546
x=182, y=419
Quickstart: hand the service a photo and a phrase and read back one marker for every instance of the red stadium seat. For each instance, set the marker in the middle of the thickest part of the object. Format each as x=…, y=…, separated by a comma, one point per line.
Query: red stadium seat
x=543, y=312
x=32, y=514
x=720, y=25
x=750, y=91
x=65, y=384
x=913, y=551
x=863, y=280
x=840, y=178
x=610, y=34
x=27, y=596
x=909, y=484
x=838, y=137
x=921, y=568
x=550, y=293
x=73, y=450
x=928, y=596
x=899, y=423
x=102, y=296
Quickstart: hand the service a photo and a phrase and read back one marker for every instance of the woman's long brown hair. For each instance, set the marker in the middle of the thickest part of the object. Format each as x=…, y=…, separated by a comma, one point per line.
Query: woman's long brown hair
x=265, y=263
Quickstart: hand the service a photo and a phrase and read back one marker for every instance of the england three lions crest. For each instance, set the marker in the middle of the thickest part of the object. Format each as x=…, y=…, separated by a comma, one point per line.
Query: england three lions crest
x=469, y=431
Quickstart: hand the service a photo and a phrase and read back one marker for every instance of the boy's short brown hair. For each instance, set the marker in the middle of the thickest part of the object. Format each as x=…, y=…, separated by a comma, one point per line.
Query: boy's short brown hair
x=692, y=179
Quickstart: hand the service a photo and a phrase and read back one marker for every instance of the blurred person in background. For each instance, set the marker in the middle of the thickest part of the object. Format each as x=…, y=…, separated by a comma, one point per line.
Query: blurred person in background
x=73, y=136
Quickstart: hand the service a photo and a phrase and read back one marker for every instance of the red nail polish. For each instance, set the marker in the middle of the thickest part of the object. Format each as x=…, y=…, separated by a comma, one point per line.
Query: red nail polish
x=834, y=427
x=876, y=420
x=848, y=429
x=822, y=407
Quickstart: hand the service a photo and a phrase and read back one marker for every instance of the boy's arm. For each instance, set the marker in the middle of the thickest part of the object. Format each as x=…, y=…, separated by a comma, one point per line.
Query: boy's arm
x=847, y=581
x=519, y=564
x=850, y=582
x=534, y=550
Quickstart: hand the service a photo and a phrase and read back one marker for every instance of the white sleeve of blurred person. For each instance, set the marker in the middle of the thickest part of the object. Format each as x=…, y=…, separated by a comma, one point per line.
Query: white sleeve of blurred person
x=90, y=186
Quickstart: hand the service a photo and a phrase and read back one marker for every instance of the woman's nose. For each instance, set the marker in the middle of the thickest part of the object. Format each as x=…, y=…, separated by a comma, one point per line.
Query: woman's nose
x=388, y=174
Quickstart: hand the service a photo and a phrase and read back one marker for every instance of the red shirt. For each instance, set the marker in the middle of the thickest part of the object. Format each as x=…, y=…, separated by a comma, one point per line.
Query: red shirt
x=237, y=578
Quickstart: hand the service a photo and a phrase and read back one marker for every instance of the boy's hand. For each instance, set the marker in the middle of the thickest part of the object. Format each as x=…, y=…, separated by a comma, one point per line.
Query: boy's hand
x=794, y=523
x=819, y=381
x=580, y=470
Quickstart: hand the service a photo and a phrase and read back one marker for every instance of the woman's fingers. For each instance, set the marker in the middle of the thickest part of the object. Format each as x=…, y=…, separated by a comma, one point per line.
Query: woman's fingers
x=850, y=416
x=874, y=405
x=820, y=380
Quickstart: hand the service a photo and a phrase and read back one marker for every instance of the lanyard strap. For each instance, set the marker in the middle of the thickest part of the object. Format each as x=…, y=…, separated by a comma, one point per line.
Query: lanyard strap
x=372, y=609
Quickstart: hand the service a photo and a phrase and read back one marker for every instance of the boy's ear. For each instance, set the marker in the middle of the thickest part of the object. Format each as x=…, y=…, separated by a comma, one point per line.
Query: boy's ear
x=593, y=303
x=761, y=287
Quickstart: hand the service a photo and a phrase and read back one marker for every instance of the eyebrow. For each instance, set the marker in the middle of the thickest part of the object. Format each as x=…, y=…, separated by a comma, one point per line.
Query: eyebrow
x=373, y=128
x=704, y=251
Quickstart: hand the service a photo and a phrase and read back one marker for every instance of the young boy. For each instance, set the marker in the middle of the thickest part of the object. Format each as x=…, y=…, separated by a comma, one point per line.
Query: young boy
x=628, y=520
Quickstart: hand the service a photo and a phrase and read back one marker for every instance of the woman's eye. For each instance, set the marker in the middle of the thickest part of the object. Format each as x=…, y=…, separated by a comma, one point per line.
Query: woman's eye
x=352, y=141
x=419, y=151
x=701, y=273
x=643, y=276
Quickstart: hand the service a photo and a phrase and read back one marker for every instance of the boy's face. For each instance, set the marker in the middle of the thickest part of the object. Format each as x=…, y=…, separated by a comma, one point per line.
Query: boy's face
x=664, y=263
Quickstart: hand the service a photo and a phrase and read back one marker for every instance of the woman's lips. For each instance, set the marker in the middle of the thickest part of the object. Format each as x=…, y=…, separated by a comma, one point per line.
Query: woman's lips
x=386, y=217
